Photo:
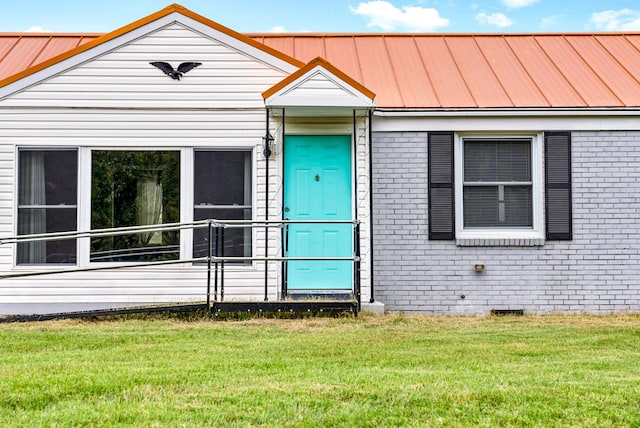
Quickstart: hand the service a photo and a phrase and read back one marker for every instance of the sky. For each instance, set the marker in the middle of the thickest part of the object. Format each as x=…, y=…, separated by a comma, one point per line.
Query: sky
x=327, y=16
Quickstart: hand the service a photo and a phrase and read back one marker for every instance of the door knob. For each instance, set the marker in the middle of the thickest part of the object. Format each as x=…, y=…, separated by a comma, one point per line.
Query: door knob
x=286, y=209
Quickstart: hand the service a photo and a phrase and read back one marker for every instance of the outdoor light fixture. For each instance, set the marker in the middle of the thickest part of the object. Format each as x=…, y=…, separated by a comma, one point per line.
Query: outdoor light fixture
x=267, y=144
x=478, y=267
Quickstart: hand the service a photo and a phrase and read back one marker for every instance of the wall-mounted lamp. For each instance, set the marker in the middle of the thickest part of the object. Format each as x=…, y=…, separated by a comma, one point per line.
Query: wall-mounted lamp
x=478, y=267
x=267, y=145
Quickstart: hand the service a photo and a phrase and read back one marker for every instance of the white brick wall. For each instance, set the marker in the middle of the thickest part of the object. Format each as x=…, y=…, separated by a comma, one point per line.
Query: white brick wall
x=597, y=272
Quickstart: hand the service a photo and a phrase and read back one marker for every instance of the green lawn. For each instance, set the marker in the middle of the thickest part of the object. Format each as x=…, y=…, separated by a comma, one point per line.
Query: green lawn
x=373, y=371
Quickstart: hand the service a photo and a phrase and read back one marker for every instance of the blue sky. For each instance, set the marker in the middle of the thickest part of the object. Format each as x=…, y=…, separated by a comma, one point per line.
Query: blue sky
x=336, y=15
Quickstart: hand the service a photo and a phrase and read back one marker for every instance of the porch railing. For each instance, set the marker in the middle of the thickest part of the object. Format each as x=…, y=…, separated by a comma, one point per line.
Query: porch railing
x=214, y=260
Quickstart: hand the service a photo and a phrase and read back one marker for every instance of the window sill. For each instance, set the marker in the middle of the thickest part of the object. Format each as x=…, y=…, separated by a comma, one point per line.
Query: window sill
x=516, y=239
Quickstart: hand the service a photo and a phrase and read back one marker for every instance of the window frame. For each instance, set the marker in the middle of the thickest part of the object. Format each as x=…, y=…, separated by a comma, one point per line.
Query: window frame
x=86, y=175
x=83, y=199
x=17, y=205
x=89, y=182
x=252, y=196
x=502, y=234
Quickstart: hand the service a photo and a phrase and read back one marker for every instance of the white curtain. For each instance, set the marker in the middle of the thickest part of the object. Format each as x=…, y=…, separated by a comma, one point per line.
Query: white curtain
x=149, y=209
x=31, y=202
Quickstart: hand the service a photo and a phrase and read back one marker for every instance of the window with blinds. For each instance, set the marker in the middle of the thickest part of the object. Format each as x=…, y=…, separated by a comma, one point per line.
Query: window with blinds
x=500, y=190
x=497, y=183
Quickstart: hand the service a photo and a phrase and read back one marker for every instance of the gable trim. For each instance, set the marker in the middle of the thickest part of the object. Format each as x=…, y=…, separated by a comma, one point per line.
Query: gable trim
x=318, y=62
x=171, y=14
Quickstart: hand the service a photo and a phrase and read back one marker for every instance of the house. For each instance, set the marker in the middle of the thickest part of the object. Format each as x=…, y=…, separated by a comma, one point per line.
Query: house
x=440, y=174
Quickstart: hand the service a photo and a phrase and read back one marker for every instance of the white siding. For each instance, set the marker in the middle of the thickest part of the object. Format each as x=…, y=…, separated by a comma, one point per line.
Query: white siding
x=119, y=100
x=140, y=129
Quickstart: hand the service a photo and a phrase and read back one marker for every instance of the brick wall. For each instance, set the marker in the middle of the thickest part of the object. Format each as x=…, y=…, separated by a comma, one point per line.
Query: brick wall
x=597, y=272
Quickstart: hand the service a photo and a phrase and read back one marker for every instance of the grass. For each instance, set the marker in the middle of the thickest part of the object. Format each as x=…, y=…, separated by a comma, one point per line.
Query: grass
x=372, y=371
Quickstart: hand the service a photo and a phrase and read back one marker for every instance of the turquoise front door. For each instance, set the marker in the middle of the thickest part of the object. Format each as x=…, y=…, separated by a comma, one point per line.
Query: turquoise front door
x=317, y=186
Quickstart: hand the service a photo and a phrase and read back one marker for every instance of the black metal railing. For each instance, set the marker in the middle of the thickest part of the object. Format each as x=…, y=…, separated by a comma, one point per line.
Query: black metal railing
x=214, y=260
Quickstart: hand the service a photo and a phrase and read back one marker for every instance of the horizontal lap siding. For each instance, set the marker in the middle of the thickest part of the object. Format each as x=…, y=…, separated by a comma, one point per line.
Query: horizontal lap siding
x=152, y=128
x=120, y=101
x=164, y=282
x=597, y=271
x=181, y=284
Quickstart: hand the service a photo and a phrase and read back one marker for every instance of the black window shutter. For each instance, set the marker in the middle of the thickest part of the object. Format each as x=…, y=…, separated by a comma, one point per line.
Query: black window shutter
x=441, y=188
x=557, y=161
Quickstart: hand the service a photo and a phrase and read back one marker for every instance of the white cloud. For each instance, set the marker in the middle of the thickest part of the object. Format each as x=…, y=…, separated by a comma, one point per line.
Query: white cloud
x=548, y=22
x=278, y=29
x=616, y=20
x=495, y=19
x=36, y=29
x=517, y=4
x=386, y=16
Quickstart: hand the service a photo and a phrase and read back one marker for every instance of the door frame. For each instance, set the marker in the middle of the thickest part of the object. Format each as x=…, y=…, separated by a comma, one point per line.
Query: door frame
x=331, y=130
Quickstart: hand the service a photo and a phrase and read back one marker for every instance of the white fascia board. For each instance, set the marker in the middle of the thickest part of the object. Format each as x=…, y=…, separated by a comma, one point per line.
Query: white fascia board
x=172, y=18
x=284, y=98
x=485, y=112
x=308, y=101
x=520, y=123
x=317, y=112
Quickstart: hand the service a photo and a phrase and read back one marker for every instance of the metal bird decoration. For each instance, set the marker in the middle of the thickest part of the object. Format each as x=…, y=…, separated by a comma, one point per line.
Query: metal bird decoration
x=172, y=72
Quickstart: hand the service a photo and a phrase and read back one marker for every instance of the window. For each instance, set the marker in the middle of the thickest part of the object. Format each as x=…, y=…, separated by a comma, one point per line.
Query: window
x=127, y=188
x=133, y=188
x=222, y=190
x=498, y=185
x=47, y=202
x=489, y=190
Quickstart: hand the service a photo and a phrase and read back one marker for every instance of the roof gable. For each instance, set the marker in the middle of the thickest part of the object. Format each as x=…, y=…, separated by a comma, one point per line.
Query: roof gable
x=128, y=77
x=138, y=29
x=319, y=84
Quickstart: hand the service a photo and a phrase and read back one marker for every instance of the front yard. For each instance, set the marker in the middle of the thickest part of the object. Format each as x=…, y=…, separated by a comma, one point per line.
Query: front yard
x=391, y=370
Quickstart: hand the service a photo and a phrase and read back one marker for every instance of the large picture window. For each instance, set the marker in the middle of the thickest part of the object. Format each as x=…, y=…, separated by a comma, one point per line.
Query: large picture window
x=47, y=202
x=133, y=188
x=222, y=190
x=128, y=188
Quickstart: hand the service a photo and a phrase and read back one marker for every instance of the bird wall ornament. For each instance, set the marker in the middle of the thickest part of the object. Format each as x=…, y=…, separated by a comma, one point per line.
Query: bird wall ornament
x=172, y=72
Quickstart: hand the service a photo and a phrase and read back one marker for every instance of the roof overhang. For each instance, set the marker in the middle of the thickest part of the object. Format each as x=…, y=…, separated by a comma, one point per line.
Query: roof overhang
x=507, y=112
x=507, y=120
x=319, y=88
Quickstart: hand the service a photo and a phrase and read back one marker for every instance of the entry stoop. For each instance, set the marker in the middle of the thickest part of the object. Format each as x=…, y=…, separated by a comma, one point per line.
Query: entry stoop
x=287, y=306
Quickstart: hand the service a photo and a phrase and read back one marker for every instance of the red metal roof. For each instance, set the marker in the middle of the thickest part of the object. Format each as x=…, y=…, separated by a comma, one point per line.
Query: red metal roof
x=484, y=70
x=437, y=70
x=19, y=51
